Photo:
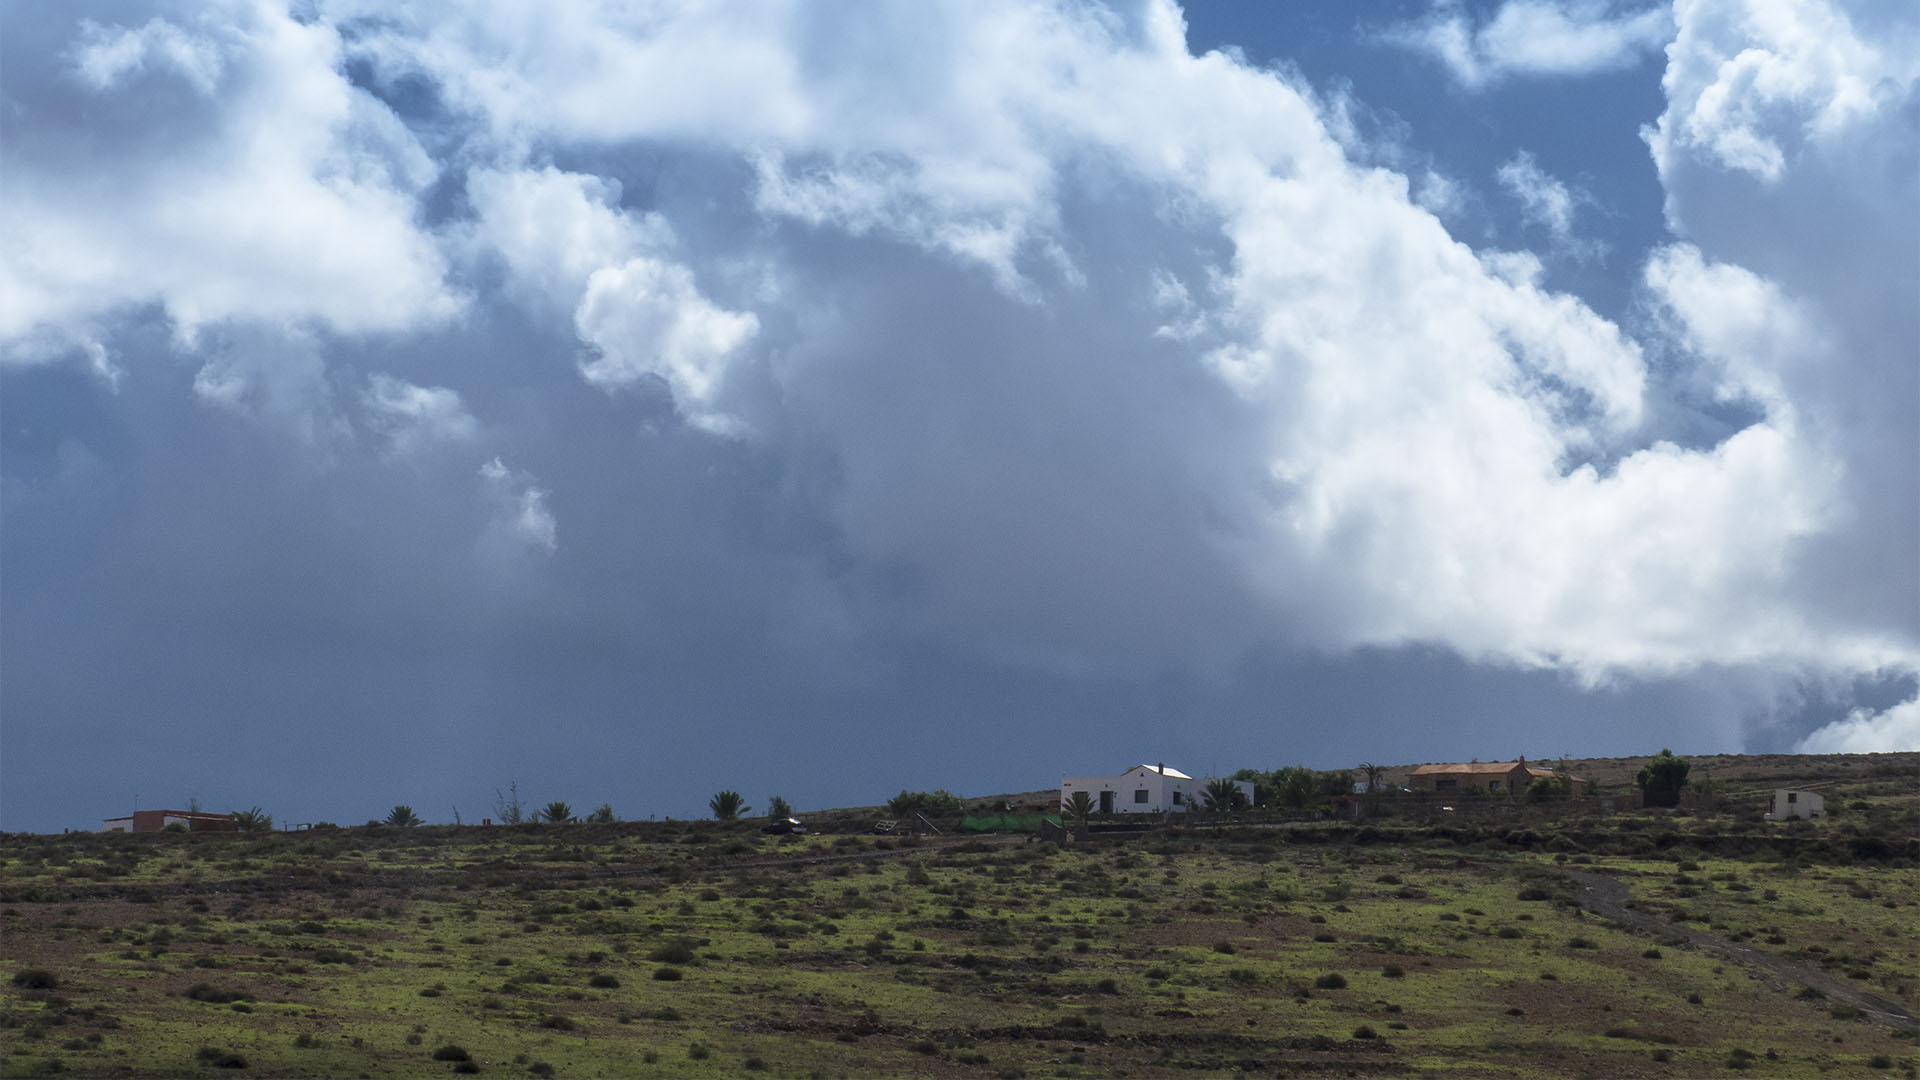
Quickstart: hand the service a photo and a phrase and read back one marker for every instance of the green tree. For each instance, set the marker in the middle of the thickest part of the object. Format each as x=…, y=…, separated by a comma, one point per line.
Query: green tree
x=779, y=809
x=1373, y=773
x=254, y=820
x=1079, y=807
x=1295, y=786
x=1224, y=796
x=931, y=803
x=727, y=805
x=1663, y=778
x=602, y=814
x=558, y=813
x=403, y=817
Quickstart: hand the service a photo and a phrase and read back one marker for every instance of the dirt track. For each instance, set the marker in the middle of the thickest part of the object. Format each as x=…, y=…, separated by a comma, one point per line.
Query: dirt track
x=1607, y=896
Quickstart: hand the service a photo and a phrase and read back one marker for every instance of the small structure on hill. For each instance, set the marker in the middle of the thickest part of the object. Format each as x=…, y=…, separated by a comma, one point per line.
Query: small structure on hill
x=1146, y=789
x=1491, y=777
x=156, y=820
x=1787, y=804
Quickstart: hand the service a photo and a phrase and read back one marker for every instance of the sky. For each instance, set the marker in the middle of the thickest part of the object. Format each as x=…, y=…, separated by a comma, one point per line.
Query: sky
x=631, y=401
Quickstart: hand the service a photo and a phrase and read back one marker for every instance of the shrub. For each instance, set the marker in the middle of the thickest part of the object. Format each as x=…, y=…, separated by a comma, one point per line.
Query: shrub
x=1651, y=954
x=541, y=1069
x=35, y=979
x=220, y=1059
x=604, y=982
x=1225, y=947
x=699, y=1052
x=466, y=1066
x=1365, y=1032
x=677, y=951
x=451, y=1052
x=556, y=1022
x=1581, y=943
x=1394, y=971
x=1332, y=980
x=333, y=956
x=1534, y=892
x=214, y=996
x=666, y=974
x=1508, y=932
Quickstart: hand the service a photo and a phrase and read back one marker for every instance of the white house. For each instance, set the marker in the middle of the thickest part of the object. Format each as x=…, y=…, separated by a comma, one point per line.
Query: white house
x=1145, y=789
x=1786, y=805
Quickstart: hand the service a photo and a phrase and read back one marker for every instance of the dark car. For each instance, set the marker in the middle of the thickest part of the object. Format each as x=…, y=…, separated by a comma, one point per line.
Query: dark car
x=785, y=827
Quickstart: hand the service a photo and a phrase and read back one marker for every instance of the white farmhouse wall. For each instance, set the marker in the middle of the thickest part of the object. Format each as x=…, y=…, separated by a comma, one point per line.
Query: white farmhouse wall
x=1144, y=789
x=1786, y=805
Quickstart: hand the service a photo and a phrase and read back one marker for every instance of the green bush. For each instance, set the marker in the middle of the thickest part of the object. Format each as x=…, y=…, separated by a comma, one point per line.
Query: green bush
x=451, y=1052
x=1332, y=980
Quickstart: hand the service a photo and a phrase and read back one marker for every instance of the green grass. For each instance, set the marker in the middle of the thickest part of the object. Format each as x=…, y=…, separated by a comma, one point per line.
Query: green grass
x=1191, y=951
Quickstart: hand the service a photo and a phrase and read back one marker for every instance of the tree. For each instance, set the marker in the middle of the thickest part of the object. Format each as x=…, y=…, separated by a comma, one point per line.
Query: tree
x=602, y=814
x=506, y=805
x=1262, y=787
x=558, y=813
x=727, y=805
x=1080, y=808
x=1224, y=796
x=403, y=817
x=254, y=820
x=1295, y=786
x=778, y=809
x=1661, y=779
x=940, y=802
x=1374, y=773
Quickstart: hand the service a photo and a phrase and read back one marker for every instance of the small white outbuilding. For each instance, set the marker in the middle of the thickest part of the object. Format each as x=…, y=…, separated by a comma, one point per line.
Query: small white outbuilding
x=1787, y=804
x=1145, y=789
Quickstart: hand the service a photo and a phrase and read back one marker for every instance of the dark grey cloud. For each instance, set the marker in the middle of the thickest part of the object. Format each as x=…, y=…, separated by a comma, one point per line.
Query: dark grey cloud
x=957, y=454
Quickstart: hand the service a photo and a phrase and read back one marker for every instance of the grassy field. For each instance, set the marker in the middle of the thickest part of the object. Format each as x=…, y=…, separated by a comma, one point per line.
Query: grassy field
x=707, y=949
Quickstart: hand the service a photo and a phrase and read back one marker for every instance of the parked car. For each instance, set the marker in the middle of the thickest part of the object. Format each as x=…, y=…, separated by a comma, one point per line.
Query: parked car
x=785, y=827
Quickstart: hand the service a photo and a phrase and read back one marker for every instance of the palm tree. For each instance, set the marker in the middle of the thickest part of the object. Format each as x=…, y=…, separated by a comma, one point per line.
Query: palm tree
x=602, y=814
x=558, y=813
x=1224, y=796
x=727, y=805
x=254, y=820
x=403, y=817
x=1080, y=808
x=1374, y=773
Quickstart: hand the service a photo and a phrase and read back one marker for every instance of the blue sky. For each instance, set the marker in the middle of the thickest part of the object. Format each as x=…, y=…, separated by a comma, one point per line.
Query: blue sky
x=632, y=401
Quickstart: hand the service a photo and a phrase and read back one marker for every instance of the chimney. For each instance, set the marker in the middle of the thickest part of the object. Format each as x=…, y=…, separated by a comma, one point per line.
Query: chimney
x=1162, y=770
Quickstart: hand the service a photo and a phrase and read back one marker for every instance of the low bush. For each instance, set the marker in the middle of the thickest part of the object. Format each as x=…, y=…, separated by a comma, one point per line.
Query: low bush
x=667, y=974
x=220, y=1059
x=1332, y=980
x=451, y=1052
x=677, y=951
x=215, y=996
x=35, y=979
x=604, y=982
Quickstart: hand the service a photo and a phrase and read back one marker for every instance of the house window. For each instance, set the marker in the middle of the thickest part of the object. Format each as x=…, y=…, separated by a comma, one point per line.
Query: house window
x=1792, y=797
x=1493, y=785
x=1445, y=785
x=1140, y=795
x=1176, y=798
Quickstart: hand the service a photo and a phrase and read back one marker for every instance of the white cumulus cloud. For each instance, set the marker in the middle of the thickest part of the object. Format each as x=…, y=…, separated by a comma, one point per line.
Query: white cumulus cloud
x=1536, y=38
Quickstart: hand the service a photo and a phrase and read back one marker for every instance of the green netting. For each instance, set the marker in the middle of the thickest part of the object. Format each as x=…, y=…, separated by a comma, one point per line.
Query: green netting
x=1007, y=822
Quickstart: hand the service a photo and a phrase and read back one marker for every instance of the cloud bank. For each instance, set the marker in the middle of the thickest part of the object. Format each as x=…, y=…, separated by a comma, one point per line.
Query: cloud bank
x=1013, y=328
